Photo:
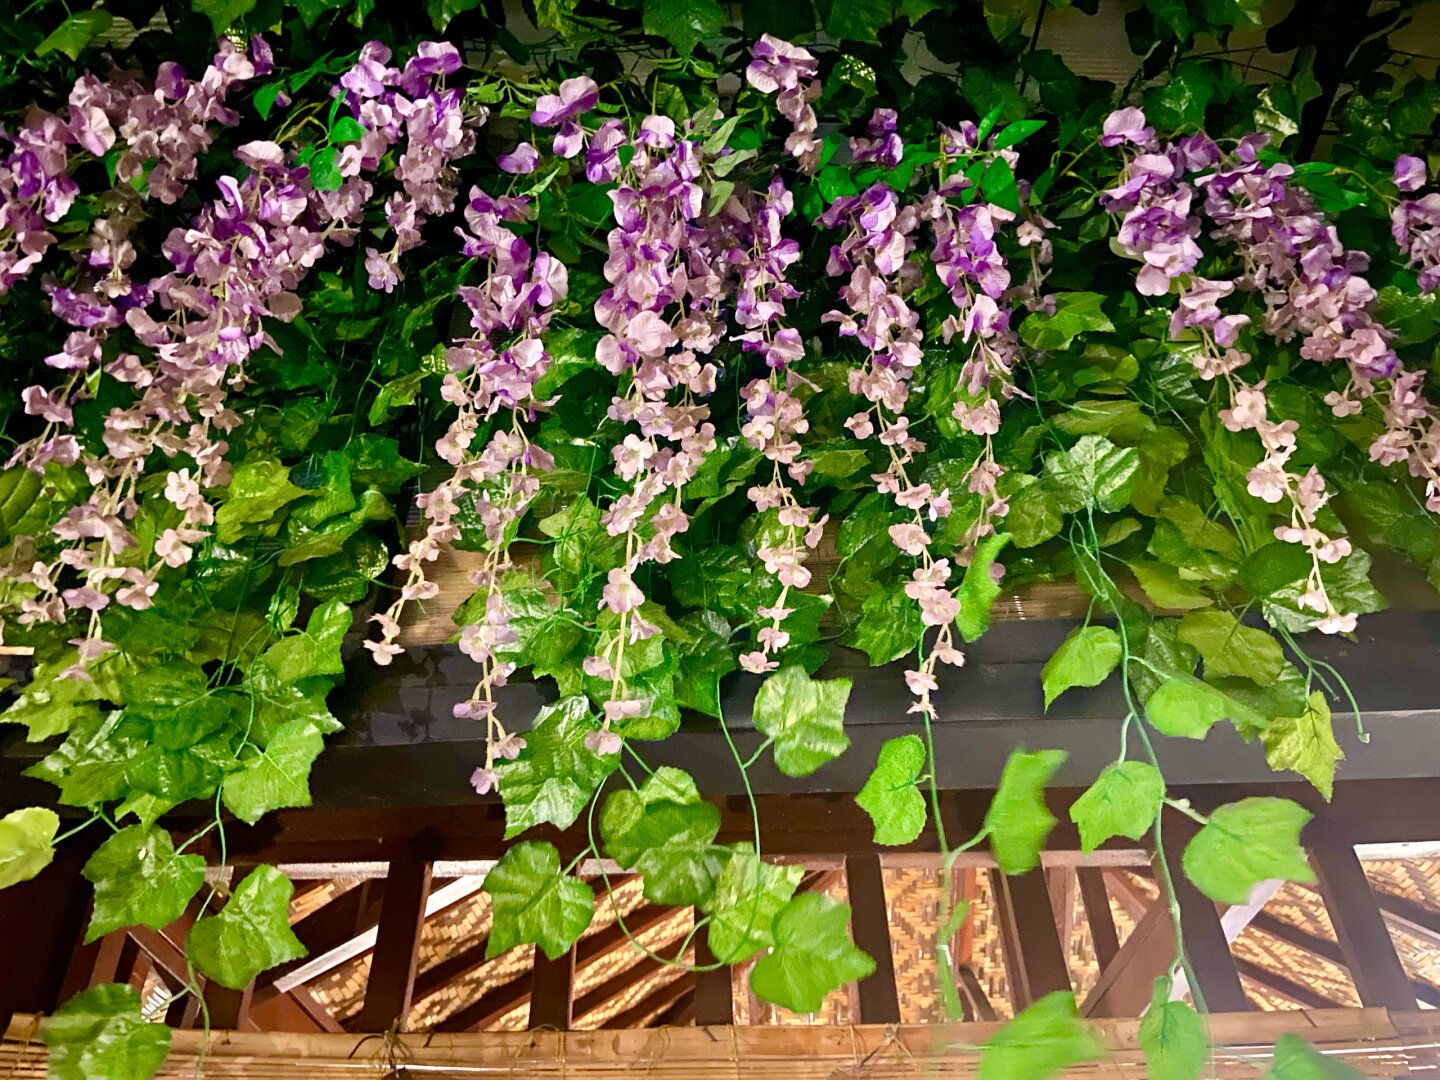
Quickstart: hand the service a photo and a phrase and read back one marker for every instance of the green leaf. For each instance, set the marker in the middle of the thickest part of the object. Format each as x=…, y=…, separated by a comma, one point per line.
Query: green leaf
x=258, y=489
x=1172, y=1036
x=1296, y=1059
x=889, y=626
x=1228, y=647
x=748, y=896
x=857, y=20
x=1034, y=514
x=1273, y=567
x=891, y=796
x=1013, y=133
x=27, y=839
x=315, y=651
x=1093, y=474
x=534, y=902
x=73, y=35
x=1305, y=743
x=49, y=705
x=276, y=776
x=998, y=186
x=805, y=717
x=683, y=23
x=1086, y=658
x=1075, y=313
x=1247, y=842
x=102, y=1035
x=1123, y=801
x=979, y=589
x=1042, y=1041
x=1184, y=706
x=347, y=129
x=667, y=833
x=1018, y=820
x=140, y=880
x=813, y=955
x=1167, y=587
x=250, y=935
x=325, y=170
x=555, y=775
x=266, y=97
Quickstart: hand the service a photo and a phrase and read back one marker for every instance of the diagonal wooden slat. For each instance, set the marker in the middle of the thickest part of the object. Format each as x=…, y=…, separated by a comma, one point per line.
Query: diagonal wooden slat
x=1303, y=996
x=1034, y=955
x=660, y=999
x=552, y=987
x=1299, y=938
x=1096, y=899
x=391, y=985
x=1360, y=929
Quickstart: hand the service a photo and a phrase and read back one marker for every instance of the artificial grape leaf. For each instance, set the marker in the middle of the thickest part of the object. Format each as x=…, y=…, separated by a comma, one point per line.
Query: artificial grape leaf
x=1123, y=801
x=556, y=774
x=889, y=626
x=27, y=839
x=1296, y=1059
x=258, y=489
x=78, y=30
x=276, y=776
x=1075, y=314
x=1167, y=587
x=316, y=650
x=1247, y=842
x=666, y=832
x=813, y=954
x=1034, y=514
x=1172, y=1036
x=49, y=705
x=805, y=717
x=1018, y=820
x=1184, y=706
x=140, y=880
x=857, y=20
x=1094, y=474
x=1044, y=1040
x=1274, y=566
x=748, y=895
x=534, y=902
x=250, y=935
x=1230, y=648
x=1086, y=658
x=102, y=1035
x=1305, y=743
x=683, y=23
x=891, y=796
x=979, y=589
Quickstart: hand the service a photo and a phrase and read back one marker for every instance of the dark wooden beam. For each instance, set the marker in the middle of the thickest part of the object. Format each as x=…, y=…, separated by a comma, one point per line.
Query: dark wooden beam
x=1303, y=996
x=1207, y=949
x=1096, y=899
x=229, y=1009
x=713, y=1002
x=92, y=964
x=870, y=926
x=1329, y=950
x=1125, y=984
x=353, y=912
x=45, y=918
x=389, y=990
x=1414, y=919
x=1360, y=929
x=681, y=1014
x=552, y=988
x=977, y=1002
x=656, y=1001
x=294, y=1010
x=1034, y=957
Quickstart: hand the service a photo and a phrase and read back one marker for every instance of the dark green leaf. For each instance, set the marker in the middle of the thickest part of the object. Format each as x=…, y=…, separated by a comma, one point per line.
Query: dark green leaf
x=979, y=589
x=555, y=775
x=667, y=833
x=748, y=896
x=534, y=902
x=78, y=30
x=683, y=23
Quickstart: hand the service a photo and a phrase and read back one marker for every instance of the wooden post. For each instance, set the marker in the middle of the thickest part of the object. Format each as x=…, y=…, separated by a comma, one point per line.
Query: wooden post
x=1360, y=929
x=392, y=968
x=1098, y=914
x=44, y=918
x=1034, y=957
x=552, y=989
x=1206, y=946
x=870, y=924
x=714, y=990
x=229, y=1009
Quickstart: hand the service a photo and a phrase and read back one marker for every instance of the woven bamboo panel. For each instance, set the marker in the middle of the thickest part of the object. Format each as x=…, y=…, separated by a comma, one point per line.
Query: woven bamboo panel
x=1375, y=1041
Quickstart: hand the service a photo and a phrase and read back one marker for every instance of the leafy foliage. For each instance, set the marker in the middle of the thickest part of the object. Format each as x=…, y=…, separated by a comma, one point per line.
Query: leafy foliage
x=100, y=1035
x=1043, y=1041
x=805, y=717
x=812, y=955
x=535, y=902
x=892, y=796
x=1245, y=843
x=251, y=934
x=1018, y=820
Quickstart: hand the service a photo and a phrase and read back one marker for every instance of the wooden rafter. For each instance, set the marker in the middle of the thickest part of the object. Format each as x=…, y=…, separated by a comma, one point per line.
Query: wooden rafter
x=1289, y=989
x=391, y=985
x=1360, y=930
x=656, y=1001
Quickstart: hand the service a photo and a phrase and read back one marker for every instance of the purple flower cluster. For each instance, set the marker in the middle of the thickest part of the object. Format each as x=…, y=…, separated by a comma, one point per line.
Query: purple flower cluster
x=1415, y=223
x=779, y=66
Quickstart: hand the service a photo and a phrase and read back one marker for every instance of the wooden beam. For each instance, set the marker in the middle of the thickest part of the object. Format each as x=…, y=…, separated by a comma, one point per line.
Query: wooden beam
x=45, y=918
x=1303, y=996
x=391, y=984
x=713, y=1002
x=1360, y=929
x=295, y=1010
x=229, y=1009
x=552, y=986
x=977, y=1002
x=1125, y=984
x=656, y=1001
x=1207, y=949
x=93, y=963
x=328, y=928
x=870, y=926
x=1034, y=957
x=1096, y=899
x=681, y=1014
x=1414, y=919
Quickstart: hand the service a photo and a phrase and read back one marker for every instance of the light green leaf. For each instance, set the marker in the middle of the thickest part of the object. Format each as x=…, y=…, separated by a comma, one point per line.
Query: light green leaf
x=50, y=705
x=813, y=955
x=534, y=902
x=805, y=717
x=250, y=935
x=748, y=896
x=979, y=589
x=1247, y=842
x=27, y=839
x=1305, y=743
x=1172, y=1036
x=1075, y=313
x=1296, y=1059
x=667, y=833
x=315, y=651
x=1123, y=801
x=101, y=1035
x=259, y=488
x=1228, y=647
x=140, y=880
x=1184, y=706
x=1042, y=1041
x=73, y=35
x=1018, y=820
x=276, y=776
x=891, y=796
x=683, y=23
x=1094, y=474
x=555, y=775
x=1167, y=587
x=1086, y=658
x=889, y=626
